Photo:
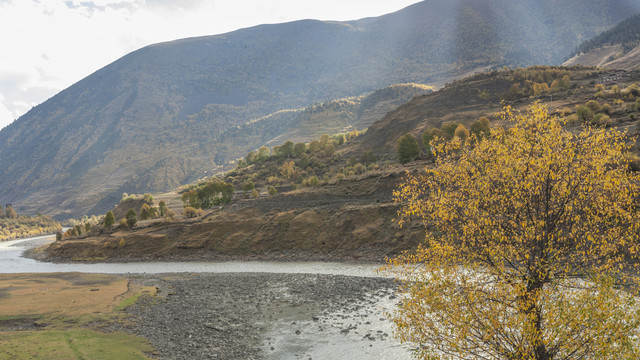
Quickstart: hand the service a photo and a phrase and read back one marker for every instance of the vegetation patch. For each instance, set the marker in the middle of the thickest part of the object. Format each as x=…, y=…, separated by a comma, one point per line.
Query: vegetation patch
x=75, y=344
x=57, y=316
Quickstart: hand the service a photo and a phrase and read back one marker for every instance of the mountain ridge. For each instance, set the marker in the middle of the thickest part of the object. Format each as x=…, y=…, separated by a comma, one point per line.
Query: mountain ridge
x=133, y=125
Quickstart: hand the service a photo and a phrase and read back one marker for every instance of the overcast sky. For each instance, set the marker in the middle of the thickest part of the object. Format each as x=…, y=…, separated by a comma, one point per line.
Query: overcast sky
x=47, y=45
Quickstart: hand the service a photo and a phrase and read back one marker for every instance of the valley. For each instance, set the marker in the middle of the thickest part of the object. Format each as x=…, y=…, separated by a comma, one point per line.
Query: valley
x=235, y=196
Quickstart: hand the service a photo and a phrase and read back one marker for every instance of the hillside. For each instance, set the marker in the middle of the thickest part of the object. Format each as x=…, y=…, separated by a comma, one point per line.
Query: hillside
x=616, y=48
x=331, y=201
x=152, y=120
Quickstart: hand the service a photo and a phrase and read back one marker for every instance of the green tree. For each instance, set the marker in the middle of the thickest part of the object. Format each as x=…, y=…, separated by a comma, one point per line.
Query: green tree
x=87, y=227
x=272, y=190
x=131, y=217
x=109, y=219
x=299, y=149
x=528, y=231
x=407, y=149
x=286, y=150
x=263, y=153
x=162, y=207
x=368, y=157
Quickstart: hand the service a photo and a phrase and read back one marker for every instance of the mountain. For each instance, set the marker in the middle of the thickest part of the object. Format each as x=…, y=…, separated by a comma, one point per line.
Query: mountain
x=617, y=48
x=155, y=118
x=340, y=206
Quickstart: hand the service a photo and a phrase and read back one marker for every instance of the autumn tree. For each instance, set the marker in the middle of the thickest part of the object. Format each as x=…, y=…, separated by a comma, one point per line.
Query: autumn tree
x=529, y=231
x=407, y=149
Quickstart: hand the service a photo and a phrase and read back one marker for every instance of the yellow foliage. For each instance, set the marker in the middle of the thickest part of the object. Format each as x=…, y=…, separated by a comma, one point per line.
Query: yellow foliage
x=528, y=230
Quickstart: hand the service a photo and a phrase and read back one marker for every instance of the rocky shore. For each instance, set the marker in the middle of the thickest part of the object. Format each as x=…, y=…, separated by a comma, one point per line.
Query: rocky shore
x=266, y=316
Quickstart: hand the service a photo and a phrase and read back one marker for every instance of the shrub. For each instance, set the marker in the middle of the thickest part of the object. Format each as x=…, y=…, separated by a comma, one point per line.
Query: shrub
x=601, y=120
x=272, y=190
x=593, y=105
x=59, y=235
x=461, y=133
x=359, y=169
x=254, y=193
x=131, y=218
x=449, y=129
x=109, y=219
x=584, y=113
x=87, y=227
x=122, y=243
x=123, y=222
x=247, y=186
x=311, y=181
x=599, y=87
x=606, y=108
x=189, y=212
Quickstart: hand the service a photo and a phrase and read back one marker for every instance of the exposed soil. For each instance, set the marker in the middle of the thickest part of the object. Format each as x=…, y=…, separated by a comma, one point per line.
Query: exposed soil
x=344, y=221
x=264, y=316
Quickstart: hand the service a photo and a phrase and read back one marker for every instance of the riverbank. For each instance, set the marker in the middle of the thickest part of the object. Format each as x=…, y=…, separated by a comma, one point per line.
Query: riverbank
x=266, y=316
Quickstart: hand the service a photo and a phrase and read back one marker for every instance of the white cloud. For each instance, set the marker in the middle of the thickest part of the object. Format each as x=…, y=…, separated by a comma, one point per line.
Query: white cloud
x=49, y=45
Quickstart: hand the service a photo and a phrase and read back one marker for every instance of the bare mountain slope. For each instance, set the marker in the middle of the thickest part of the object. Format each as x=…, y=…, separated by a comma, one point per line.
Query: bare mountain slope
x=155, y=118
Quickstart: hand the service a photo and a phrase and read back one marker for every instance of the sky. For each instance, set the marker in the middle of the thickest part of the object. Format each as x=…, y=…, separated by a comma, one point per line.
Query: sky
x=48, y=45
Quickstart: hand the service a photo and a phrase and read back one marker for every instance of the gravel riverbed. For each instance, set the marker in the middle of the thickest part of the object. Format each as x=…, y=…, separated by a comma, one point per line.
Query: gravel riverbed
x=266, y=316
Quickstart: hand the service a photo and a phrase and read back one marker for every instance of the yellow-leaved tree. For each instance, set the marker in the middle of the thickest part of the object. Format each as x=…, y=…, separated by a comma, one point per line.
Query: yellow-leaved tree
x=531, y=240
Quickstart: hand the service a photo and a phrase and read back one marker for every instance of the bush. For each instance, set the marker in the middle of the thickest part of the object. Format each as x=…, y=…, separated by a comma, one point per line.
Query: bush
x=87, y=227
x=449, y=129
x=606, y=108
x=359, y=169
x=601, y=120
x=272, y=190
x=247, y=186
x=584, y=113
x=131, y=218
x=461, y=133
x=189, y=212
x=311, y=181
x=254, y=193
x=593, y=105
x=123, y=222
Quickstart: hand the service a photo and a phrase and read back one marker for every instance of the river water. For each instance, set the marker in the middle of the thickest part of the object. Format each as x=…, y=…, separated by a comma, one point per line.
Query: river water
x=11, y=261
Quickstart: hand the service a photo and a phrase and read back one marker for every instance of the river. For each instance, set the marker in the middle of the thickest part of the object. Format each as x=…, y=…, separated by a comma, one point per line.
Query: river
x=12, y=261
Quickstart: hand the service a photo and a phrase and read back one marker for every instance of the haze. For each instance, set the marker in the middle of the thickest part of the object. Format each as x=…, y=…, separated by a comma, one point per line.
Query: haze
x=52, y=44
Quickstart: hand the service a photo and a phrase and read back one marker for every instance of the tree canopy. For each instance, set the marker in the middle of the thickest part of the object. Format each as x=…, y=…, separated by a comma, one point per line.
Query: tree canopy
x=530, y=231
